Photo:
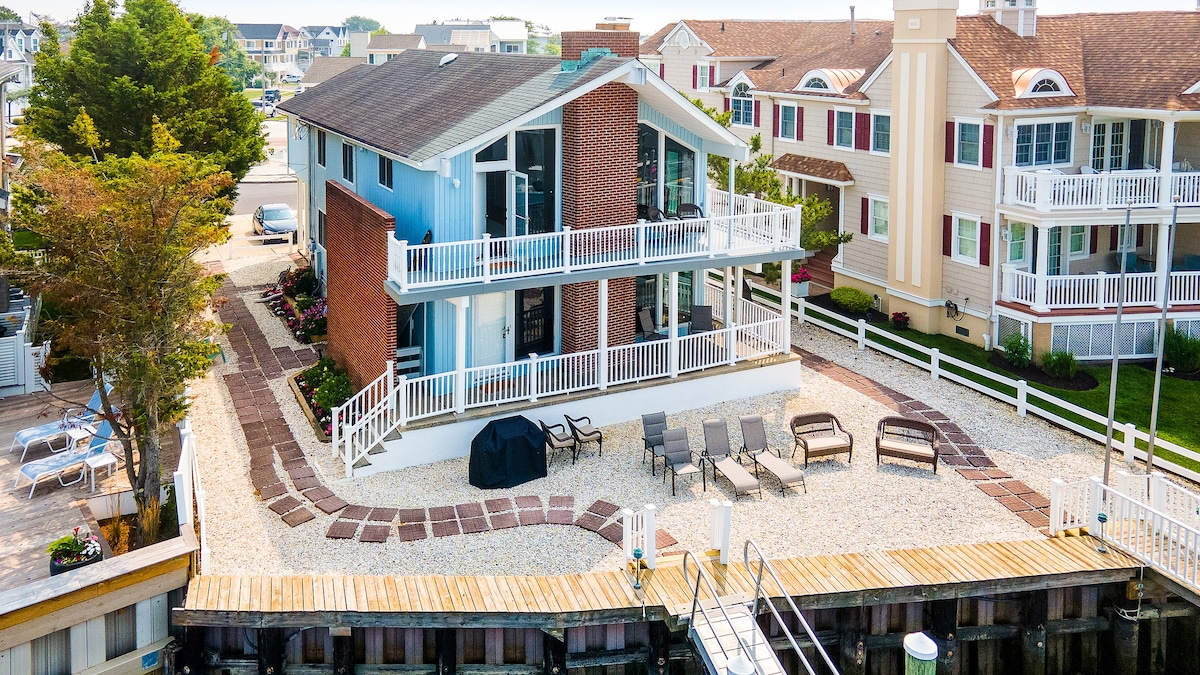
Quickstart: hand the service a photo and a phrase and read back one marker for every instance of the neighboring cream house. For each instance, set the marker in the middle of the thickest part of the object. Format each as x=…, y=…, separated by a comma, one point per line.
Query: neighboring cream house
x=383, y=48
x=987, y=196
x=278, y=47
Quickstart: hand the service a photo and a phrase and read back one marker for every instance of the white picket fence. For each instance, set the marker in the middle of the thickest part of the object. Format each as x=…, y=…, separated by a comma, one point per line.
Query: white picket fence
x=1166, y=537
x=190, y=497
x=1026, y=399
x=639, y=531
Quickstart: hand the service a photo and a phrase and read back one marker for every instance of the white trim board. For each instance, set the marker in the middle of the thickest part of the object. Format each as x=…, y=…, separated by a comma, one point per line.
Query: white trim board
x=448, y=441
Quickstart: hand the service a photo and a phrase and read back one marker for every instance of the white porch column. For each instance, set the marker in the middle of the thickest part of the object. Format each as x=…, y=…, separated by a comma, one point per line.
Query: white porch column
x=785, y=305
x=602, y=333
x=673, y=323
x=732, y=183
x=1042, y=269
x=728, y=295
x=739, y=280
x=1166, y=159
x=658, y=306
x=460, y=352
x=1162, y=262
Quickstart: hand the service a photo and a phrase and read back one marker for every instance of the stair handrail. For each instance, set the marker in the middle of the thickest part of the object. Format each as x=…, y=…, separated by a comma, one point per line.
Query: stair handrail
x=701, y=574
x=764, y=564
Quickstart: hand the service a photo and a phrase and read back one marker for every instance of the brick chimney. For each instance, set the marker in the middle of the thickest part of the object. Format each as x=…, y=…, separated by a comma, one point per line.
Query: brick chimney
x=615, y=37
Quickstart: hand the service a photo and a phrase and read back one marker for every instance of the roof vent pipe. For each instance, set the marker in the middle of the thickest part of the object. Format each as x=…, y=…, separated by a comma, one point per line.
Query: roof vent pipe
x=854, y=31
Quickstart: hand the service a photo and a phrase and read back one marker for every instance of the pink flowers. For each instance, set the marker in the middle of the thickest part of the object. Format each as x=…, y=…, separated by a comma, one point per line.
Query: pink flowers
x=801, y=275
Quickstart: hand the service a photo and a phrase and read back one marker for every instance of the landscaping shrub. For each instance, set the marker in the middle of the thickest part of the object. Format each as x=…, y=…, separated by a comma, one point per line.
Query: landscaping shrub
x=1017, y=350
x=1060, y=365
x=304, y=301
x=851, y=299
x=315, y=376
x=771, y=273
x=300, y=281
x=900, y=320
x=1181, y=351
x=334, y=391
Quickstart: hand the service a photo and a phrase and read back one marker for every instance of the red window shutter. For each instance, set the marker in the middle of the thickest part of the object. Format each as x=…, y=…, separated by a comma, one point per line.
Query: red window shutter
x=756, y=111
x=1112, y=238
x=799, y=123
x=950, y=142
x=862, y=131
x=864, y=225
x=985, y=244
x=1095, y=239
x=1141, y=232
x=727, y=104
x=989, y=137
x=662, y=71
x=829, y=129
x=712, y=76
x=775, y=120
x=947, y=234
x=694, y=76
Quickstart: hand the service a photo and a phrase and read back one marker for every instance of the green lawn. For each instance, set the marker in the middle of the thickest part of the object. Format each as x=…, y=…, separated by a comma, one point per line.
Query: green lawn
x=24, y=240
x=1135, y=386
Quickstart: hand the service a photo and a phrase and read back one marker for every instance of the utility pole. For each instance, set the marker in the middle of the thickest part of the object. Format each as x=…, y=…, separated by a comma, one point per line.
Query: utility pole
x=1116, y=344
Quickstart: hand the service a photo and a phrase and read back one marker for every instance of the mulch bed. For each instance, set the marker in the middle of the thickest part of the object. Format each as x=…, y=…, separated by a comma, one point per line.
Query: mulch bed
x=825, y=302
x=1082, y=381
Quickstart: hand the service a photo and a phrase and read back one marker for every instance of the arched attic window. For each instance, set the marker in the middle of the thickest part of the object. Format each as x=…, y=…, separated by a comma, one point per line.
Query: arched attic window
x=816, y=83
x=1045, y=86
x=1035, y=82
x=742, y=105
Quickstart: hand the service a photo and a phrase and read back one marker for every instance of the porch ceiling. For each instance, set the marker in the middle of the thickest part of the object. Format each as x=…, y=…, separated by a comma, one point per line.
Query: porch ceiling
x=418, y=295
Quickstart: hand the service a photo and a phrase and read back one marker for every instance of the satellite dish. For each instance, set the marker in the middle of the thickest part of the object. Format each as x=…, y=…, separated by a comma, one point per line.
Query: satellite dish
x=447, y=59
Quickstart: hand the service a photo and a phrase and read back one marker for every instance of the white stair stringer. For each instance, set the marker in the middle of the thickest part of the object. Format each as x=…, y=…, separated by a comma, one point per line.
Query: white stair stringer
x=722, y=633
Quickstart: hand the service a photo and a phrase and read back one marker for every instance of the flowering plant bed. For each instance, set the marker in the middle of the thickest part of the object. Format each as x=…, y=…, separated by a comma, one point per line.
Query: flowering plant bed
x=295, y=300
x=319, y=390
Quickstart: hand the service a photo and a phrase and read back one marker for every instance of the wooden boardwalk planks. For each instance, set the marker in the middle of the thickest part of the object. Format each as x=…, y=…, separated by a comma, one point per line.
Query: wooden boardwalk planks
x=666, y=588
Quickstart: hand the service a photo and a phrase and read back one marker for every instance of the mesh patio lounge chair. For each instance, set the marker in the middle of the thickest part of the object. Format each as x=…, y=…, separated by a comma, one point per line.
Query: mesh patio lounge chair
x=821, y=435
x=719, y=454
x=653, y=425
x=677, y=453
x=702, y=320
x=646, y=326
x=59, y=464
x=754, y=443
x=49, y=431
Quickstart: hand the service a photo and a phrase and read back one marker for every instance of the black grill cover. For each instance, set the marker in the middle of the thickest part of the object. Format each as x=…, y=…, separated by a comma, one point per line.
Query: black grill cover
x=506, y=453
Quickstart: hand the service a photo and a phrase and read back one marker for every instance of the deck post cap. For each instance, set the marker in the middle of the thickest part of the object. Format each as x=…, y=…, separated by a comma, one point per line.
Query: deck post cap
x=740, y=665
x=920, y=647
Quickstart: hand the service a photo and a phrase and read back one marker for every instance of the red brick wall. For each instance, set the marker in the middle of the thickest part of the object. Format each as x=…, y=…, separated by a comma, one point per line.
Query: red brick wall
x=619, y=42
x=599, y=190
x=362, y=316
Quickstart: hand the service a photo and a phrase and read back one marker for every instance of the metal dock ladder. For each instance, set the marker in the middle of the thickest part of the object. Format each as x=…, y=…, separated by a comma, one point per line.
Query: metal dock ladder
x=723, y=628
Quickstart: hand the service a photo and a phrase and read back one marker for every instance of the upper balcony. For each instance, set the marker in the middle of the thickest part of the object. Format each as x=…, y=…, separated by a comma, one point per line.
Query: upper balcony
x=740, y=231
x=1083, y=189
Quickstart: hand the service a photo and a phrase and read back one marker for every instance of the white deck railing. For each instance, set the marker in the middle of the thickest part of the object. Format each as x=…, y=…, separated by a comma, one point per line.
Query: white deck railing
x=638, y=532
x=754, y=226
x=1167, y=541
x=390, y=403
x=1096, y=291
x=1045, y=191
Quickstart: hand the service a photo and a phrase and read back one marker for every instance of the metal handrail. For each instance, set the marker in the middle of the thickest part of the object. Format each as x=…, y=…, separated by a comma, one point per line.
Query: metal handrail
x=763, y=564
x=701, y=574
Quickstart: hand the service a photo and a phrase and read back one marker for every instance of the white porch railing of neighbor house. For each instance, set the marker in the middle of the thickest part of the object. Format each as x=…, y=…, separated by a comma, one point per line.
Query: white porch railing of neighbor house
x=754, y=226
x=391, y=402
x=1046, y=191
x=1166, y=541
x=1096, y=291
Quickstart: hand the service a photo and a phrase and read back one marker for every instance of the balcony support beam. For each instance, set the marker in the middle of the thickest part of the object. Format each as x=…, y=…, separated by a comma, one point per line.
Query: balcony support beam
x=673, y=322
x=1042, y=271
x=602, y=333
x=1166, y=159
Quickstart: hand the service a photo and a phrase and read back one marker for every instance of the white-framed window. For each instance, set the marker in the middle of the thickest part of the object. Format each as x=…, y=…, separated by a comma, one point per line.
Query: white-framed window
x=1126, y=238
x=35, y=44
x=1045, y=83
x=1077, y=242
x=1043, y=143
x=742, y=105
x=816, y=83
x=347, y=162
x=1108, y=146
x=385, y=171
x=511, y=49
x=881, y=133
x=268, y=44
x=843, y=128
x=1045, y=86
x=880, y=217
x=965, y=246
x=787, y=121
x=320, y=235
x=968, y=146
x=702, y=76
x=1018, y=234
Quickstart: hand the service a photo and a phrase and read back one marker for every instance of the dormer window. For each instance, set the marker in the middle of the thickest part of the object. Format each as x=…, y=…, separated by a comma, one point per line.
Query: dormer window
x=1039, y=82
x=830, y=80
x=742, y=105
x=816, y=83
x=1045, y=86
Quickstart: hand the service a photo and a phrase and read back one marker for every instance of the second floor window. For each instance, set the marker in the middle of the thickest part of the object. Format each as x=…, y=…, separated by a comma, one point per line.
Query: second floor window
x=787, y=122
x=321, y=148
x=843, y=136
x=1043, y=143
x=742, y=105
x=879, y=219
x=702, y=76
x=965, y=248
x=1016, y=242
x=348, y=162
x=968, y=144
x=385, y=172
x=1077, y=244
x=881, y=133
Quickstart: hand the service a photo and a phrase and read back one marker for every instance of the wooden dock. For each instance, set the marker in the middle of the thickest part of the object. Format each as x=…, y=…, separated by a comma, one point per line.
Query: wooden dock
x=550, y=602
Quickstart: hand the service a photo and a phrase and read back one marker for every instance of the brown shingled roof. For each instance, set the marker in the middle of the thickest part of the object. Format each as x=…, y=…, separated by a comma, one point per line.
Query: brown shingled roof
x=812, y=166
x=326, y=67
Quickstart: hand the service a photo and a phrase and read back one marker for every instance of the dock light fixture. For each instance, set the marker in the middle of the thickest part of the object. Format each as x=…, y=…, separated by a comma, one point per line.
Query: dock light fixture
x=1103, y=518
x=637, y=569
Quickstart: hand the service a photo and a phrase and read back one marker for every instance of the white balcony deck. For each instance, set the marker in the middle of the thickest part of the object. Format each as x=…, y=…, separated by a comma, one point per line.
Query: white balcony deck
x=1047, y=192
x=1097, y=291
x=751, y=226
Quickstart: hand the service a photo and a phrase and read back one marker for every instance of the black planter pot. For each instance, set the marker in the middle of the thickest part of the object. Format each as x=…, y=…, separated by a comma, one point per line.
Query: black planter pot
x=59, y=568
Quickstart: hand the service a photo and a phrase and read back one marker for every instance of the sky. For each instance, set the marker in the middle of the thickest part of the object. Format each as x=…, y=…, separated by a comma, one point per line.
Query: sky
x=648, y=17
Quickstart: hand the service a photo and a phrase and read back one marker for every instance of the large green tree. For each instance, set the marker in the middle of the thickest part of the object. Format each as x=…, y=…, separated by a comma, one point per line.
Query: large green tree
x=129, y=70
x=7, y=14
x=121, y=237
x=218, y=33
x=360, y=23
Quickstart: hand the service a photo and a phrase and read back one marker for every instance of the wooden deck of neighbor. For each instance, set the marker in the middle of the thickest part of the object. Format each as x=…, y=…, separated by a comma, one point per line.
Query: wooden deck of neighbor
x=878, y=577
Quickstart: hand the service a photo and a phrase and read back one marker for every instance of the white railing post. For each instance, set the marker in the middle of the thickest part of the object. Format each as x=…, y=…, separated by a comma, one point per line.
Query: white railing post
x=402, y=261
x=731, y=343
x=401, y=400
x=627, y=531
x=1101, y=290
x=348, y=458
x=650, y=545
x=566, y=249
x=335, y=429
x=710, y=227
x=1022, y=397
x=533, y=378
x=796, y=226
x=720, y=516
x=1095, y=505
x=641, y=241
x=1130, y=441
x=486, y=258
x=862, y=334
x=935, y=358
x=800, y=311
x=1007, y=280
x=1042, y=195
x=1010, y=185
x=1056, y=506
x=1157, y=489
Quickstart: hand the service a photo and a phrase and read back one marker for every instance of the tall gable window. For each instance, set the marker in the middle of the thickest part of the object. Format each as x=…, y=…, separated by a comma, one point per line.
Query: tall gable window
x=385, y=172
x=787, y=122
x=843, y=136
x=742, y=105
x=348, y=162
x=881, y=133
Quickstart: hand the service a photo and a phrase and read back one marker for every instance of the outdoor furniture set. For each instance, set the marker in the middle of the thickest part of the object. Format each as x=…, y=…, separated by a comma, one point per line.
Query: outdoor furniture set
x=74, y=428
x=573, y=436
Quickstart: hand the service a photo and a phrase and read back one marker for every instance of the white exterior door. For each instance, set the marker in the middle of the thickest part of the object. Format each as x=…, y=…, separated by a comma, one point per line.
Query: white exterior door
x=490, y=331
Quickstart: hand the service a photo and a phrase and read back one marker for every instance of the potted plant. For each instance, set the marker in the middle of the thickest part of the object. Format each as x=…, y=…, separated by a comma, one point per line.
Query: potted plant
x=73, y=551
x=800, y=279
x=900, y=320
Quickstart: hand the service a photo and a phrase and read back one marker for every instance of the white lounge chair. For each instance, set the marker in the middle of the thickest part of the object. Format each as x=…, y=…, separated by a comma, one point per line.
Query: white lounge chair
x=754, y=439
x=48, y=432
x=57, y=465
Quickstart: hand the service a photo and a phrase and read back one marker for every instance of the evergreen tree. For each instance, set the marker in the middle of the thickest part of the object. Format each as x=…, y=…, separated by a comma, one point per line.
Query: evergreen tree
x=218, y=33
x=148, y=63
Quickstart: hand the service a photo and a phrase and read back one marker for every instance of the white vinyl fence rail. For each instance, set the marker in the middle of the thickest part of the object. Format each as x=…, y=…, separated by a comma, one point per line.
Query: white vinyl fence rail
x=190, y=498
